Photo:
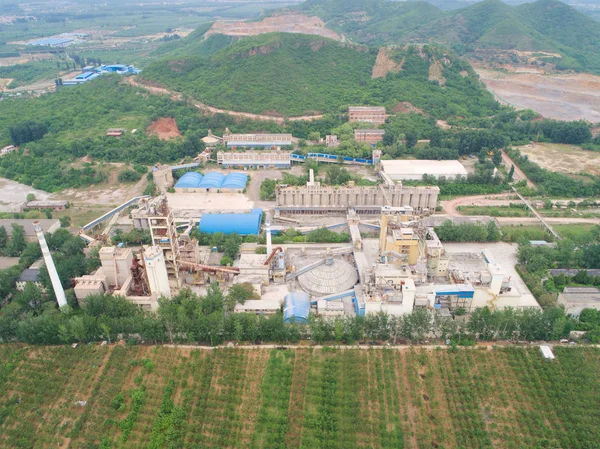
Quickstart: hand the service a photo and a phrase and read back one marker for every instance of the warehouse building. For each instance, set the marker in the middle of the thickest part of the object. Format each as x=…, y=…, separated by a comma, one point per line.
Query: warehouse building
x=257, y=140
x=47, y=204
x=575, y=299
x=368, y=114
x=296, y=308
x=415, y=169
x=243, y=224
x=255, y=159
x=211, y=182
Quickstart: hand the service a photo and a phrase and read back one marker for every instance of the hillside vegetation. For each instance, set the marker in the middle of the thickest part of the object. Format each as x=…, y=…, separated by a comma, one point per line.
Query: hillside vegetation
x=155, y=397
x=293, y=74
x=545, y=25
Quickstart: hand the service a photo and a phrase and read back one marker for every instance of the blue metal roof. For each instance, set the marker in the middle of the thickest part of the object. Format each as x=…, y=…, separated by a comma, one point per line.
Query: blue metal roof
x=212, y=180
x=243, y=224
x=190, y=180
x=296, y=307
x=460, y=290
x=235, y=181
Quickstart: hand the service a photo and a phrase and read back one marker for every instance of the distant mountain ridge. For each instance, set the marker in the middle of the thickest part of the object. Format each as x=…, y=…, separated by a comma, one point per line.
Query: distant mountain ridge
x=544, y=25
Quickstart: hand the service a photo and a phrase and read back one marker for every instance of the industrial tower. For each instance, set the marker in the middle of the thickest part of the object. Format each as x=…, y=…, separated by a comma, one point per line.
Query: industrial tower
x=56, y=285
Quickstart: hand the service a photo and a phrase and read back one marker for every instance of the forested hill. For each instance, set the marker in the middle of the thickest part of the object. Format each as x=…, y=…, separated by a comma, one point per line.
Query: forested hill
x=545, y=25
x=294, y=74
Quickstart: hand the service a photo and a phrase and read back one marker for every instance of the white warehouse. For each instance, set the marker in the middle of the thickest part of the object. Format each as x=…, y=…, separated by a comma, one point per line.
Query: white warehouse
x=415, y=169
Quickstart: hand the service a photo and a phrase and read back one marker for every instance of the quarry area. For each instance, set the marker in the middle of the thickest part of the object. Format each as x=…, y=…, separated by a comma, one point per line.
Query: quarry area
x=573, y=96
x=287, y=23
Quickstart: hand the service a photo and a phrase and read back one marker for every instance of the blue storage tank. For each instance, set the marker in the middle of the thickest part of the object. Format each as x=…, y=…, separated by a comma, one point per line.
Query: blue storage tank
x=243, y=224
x=296, y=307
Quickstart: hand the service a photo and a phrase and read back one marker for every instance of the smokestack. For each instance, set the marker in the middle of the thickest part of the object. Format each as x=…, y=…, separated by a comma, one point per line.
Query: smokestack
x=268, y=230
x=56, y=285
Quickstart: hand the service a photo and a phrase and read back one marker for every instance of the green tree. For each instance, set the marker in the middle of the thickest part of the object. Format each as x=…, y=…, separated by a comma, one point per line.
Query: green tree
x=3, y=239
x=30, y=197
x=17, y=241
x=411, y=137
x=239, y=294
x=315, y=136
x=511, y=174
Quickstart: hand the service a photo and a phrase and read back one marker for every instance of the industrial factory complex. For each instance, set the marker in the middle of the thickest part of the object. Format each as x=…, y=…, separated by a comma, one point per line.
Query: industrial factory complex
x=393, y=260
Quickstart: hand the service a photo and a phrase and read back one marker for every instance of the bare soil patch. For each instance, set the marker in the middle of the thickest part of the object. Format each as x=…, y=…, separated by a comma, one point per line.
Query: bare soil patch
x=563, y=158
x=436, y=72
x=165, y=128
x=286, y=23
x=404, y=107
x=573, y=96
x=384, y=64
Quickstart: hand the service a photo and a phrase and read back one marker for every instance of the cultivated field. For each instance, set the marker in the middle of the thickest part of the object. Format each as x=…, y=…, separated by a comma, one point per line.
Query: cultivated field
x=144, y=397
x=563, y=158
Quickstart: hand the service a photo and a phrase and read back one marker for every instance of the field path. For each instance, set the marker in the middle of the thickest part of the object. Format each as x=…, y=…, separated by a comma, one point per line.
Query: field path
x=212, y=110
x=518, y=175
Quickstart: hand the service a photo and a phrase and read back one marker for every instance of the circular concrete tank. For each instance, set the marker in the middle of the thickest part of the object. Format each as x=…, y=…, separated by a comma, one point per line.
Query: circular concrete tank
x=334, y=276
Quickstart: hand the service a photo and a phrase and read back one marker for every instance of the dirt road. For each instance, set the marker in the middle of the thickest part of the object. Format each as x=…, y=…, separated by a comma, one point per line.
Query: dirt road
x=212, y=110
x=518, y=175
x=450, y=207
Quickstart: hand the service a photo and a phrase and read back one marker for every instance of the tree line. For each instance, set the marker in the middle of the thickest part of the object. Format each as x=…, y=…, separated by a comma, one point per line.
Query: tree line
x=209, y=319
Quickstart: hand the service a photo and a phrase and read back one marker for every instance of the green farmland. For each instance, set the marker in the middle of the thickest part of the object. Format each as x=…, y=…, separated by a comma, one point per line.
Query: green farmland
x=155, y=397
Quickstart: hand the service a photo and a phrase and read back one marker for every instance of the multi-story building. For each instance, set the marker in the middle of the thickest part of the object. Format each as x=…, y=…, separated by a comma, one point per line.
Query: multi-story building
x=255, y=159
x=257, y=140
x=370, y=136
x=369, y=114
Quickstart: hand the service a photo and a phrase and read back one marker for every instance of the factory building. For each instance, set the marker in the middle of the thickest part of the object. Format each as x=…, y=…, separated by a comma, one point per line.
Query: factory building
x=414, y=170
x=330, y=199
x=368, y=114
x=370, y=136
x=575, y=299
x=257, y=140
x=55, y=205
x=255, y=159
x=211, y=182
x=243, y=224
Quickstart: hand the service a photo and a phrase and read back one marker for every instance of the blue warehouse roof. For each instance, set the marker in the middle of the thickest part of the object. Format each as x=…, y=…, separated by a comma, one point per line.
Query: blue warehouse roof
x=212, y=180
x=189, y=180
x=243, y=224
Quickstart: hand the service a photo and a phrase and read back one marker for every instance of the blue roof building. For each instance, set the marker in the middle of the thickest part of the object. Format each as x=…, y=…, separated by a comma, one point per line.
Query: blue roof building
x=193, y=181
x=190, y=180
x=243, y=224
x=296, y=308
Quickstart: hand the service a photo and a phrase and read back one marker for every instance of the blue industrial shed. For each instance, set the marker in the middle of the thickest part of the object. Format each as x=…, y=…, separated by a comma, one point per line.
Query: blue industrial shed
x=296, y=308
x=243, y=224
x=212, y=180
x=190, y=180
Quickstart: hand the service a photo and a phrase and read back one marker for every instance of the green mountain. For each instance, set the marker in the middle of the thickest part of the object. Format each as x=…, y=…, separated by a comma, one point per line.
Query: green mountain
x=293, y=74
x=545, y=25
x=373, y=21
x=489, y=24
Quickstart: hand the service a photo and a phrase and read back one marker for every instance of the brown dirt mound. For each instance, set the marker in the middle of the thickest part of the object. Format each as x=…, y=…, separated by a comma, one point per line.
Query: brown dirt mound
x=404, y=107
x=165, y=128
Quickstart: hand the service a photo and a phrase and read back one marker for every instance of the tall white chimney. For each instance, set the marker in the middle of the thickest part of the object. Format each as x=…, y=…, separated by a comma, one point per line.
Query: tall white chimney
x=56, y=285
x=268, y=230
